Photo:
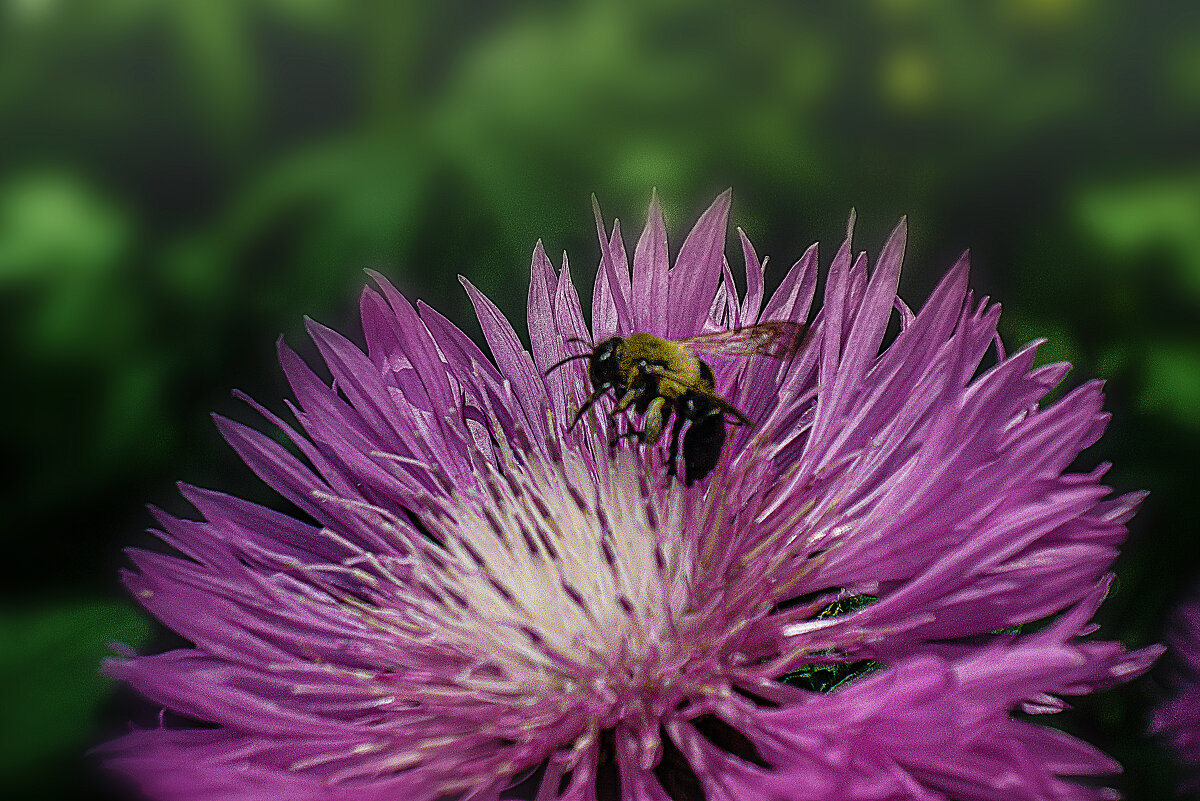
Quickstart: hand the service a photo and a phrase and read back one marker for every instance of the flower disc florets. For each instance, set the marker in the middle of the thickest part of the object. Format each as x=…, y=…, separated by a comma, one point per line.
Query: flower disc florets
x=483, y=601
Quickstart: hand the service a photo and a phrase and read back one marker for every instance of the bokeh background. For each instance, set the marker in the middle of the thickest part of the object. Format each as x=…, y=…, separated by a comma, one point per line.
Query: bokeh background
x=182, y=180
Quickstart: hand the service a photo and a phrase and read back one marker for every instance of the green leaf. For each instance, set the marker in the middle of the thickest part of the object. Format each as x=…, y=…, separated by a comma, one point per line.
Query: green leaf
x=1172, y=384
x=1154, y=215
x=50, y=671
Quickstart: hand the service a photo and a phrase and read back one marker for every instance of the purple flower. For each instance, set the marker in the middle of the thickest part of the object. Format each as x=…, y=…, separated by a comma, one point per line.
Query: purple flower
x=478, y=598
x=1177, y=720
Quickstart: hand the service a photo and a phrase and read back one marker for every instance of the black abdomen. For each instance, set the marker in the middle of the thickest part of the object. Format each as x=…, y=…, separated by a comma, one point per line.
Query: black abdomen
x=702, y=444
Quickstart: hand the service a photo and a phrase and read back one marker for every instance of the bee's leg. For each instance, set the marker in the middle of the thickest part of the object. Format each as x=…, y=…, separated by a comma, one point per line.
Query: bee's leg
x=627, y=400
x=654, y=420
x=675, y=429
x=587, y=404
x=632, y=432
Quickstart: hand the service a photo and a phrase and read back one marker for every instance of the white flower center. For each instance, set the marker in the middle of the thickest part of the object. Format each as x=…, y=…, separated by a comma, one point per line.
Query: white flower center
x=565, y=575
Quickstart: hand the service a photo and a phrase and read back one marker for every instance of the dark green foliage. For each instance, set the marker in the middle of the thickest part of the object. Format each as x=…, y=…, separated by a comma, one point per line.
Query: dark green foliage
x=180, y=182
x=52, y=686
x=825, y=678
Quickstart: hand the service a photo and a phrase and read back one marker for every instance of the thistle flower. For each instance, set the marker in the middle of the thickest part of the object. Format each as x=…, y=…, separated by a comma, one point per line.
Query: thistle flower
x=1177, y=720
x=480, y=602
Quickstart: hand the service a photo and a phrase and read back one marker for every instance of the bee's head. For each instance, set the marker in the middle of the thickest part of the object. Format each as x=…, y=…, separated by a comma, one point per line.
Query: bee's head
x=604, y=366
x=604, y=362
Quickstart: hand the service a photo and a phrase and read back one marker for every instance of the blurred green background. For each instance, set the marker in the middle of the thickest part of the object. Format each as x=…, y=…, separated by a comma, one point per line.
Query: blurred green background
x=182, y=180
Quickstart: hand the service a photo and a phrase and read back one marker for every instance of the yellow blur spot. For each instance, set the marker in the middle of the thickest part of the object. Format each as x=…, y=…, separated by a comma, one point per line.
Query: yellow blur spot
x=1044, y=12
x=32, y=10
x=909, y=79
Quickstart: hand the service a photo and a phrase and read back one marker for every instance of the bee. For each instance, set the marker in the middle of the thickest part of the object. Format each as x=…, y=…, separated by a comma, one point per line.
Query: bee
x=663, y=379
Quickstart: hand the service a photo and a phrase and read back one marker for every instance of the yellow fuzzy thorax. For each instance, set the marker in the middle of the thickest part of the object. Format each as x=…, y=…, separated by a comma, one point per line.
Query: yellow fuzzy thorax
x=642, y=349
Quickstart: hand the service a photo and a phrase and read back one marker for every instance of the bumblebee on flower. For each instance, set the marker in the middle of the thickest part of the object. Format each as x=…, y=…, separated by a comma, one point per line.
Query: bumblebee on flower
x=493, y=602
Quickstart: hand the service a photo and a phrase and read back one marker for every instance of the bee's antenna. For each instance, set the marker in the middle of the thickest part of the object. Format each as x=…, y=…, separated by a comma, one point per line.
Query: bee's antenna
x=561, y=362
x=587, y=404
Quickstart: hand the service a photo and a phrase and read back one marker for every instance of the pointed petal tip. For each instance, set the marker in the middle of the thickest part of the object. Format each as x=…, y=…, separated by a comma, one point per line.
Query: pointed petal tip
x=319, y=331
x=717, y=214
x=744, y=238
x=601, y=228
x=897, y=241
x=851, y=221
x=654, y=211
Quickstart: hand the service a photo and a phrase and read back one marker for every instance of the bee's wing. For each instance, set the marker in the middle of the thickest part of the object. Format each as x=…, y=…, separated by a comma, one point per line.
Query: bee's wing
x=778, y=339
x=724, y=405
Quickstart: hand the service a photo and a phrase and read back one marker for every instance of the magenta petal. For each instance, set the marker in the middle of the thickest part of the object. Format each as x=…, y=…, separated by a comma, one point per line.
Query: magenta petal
x=697, y=271
x=794, y=297
x=274, y=465
x=755, y=282
x=870, y=321
x=417, y=345
x=1176, y=721
x=513, y=361
x=610, y=300
x=650, y=268
x=544, y=338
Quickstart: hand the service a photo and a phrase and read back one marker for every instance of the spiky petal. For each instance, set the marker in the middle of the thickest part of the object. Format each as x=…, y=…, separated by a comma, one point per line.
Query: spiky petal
x=1177, y=719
